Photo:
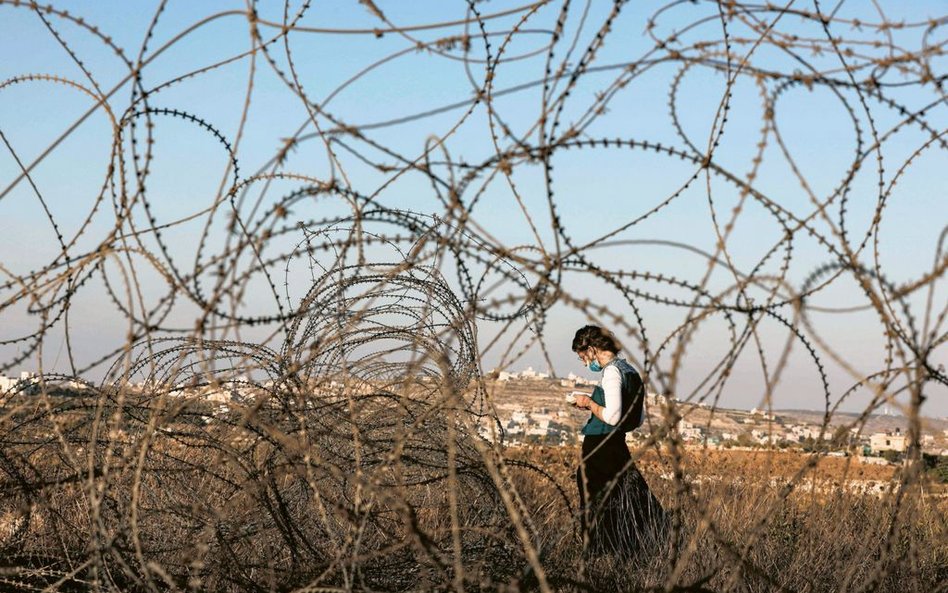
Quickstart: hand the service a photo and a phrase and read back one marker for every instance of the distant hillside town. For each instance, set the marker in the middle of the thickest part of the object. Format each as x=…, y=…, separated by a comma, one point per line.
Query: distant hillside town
x=532, y=409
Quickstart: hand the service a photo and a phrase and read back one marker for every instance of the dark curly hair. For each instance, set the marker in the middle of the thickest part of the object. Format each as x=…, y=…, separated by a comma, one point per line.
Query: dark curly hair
x=596, y=337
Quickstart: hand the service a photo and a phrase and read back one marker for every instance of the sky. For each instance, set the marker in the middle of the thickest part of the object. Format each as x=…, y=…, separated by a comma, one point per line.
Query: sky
x=597, y=191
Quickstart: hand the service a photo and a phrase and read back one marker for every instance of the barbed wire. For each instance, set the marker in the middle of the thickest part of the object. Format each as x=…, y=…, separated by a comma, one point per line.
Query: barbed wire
x=300, y=402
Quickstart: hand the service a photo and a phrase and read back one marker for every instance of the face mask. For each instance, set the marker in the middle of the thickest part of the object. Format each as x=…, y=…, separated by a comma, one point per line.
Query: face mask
x=594, y=366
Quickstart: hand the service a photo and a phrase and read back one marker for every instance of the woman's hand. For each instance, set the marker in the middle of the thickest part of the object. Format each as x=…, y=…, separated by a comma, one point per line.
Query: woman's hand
x=583, y=401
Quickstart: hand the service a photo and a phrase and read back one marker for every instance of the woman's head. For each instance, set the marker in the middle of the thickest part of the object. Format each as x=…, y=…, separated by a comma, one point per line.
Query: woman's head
x=596, y=338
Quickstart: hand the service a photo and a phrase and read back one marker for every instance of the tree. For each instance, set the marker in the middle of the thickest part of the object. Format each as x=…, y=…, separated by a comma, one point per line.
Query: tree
x=745, y=439
x=891, y=456
x=937, y=466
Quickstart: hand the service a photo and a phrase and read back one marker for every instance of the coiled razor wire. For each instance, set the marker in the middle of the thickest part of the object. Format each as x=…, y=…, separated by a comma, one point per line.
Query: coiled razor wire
x=333, y=438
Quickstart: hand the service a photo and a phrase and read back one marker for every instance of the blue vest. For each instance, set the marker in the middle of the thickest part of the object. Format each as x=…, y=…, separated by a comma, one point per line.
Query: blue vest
x=633, y=402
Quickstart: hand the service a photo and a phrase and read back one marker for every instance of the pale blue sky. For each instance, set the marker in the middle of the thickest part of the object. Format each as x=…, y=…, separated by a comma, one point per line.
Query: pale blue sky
x=597, y=190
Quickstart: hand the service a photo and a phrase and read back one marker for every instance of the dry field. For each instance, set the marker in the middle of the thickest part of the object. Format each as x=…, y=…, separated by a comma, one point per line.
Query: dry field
x=254, y=503
x=760, y=521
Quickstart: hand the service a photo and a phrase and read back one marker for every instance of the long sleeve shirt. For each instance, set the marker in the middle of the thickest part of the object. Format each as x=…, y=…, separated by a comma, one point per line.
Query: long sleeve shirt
x=611, y=384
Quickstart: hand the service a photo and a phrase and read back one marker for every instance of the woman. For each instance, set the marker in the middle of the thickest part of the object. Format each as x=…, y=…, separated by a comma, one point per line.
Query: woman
x=618, y=511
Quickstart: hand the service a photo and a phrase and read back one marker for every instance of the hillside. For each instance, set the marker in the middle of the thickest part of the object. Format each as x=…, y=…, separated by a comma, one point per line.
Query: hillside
x=546, y=397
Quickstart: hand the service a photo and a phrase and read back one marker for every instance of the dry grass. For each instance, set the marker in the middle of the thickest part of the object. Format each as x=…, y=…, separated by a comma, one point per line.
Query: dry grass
x=244, y=507
x=743, y=533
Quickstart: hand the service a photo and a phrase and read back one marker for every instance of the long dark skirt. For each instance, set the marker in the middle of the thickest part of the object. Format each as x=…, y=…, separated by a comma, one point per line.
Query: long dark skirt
x=617, y=509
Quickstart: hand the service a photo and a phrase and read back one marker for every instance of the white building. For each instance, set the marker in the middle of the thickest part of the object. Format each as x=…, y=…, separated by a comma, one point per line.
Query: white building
x=654, y=398
x=689, y=431
x=885, y=441
x=8, y=384
x=540, y=428
x=804, y=432
x=532, y=375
